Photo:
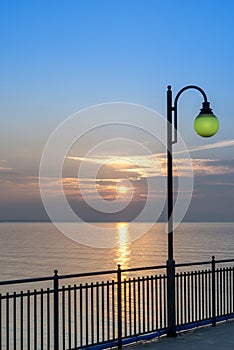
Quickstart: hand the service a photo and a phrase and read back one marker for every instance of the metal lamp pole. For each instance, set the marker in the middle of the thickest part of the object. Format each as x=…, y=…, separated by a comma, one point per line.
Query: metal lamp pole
x=206, y=125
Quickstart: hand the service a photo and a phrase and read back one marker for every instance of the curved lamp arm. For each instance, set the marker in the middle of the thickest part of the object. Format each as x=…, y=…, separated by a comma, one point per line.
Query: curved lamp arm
x=174, y=108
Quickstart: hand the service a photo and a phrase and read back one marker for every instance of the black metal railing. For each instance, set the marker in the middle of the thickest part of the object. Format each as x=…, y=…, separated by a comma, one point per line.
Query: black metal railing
x=112, y=312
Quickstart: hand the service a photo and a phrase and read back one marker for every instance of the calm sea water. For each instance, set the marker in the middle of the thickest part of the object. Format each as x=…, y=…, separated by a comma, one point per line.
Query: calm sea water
x=36, y=249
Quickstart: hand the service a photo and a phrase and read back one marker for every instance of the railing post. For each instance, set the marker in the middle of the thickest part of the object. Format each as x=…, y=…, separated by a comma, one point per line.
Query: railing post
x=213, y=292
x=119, y=307
x=56, y=310
x=171, y=312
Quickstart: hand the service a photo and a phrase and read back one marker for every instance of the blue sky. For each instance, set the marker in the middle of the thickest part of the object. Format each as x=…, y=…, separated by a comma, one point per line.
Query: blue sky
x=60, y=56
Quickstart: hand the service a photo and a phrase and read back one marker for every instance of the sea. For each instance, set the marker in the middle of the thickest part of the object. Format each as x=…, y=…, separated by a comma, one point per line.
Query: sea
x=30, y=250
x=37, y=249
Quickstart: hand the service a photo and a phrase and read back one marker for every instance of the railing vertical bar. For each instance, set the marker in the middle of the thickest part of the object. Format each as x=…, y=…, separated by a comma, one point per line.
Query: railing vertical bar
x=181, y=299
x=228, y=292
x=221, y=291
x=75, y=314
x=218, y=294
x=119, y=307
x=134, y=304
x=139, y=304
x=63, y=319
x=108, y=309
x=14, y=319
x=160, y=299
x=48, y=318
x=227, y=286
x=56, y=310
x=147, y=303
x=69, y=315
x=0, y=321
x=35, y=319
x=86, y=314
x=21, y=321
x=97, y=311
x=196, y=294
x=202, y=295
x=189, y=297
x=7, y=321
x=224, y=292
x=232, y=291
x=177, y=298
x=214, y=292
x=164, y=300
x=143, y=302
x=206, y=295
x=192, y=296
x=28, y=319
x=185, y=296
x=113, y=308
x=81, y=316
x=92, y=313
x=130, y=306
x=152, y=302
x=125, y=308
x=156, y=300
x=209, y=293
x=42, y=319
x=199, y=295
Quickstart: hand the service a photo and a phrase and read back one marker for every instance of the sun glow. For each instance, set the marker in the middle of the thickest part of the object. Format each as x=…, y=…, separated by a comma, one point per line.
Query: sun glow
x=122, y=189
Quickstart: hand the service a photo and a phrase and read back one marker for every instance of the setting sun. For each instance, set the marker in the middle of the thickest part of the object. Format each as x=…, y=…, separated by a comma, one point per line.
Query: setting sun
x=122, y=189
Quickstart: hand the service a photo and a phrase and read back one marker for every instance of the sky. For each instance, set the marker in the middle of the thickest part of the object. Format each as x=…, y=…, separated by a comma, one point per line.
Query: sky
x=60, y=57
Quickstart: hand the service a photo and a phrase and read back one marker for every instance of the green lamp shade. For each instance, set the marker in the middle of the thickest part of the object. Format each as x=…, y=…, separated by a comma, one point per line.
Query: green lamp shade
x=206, y=125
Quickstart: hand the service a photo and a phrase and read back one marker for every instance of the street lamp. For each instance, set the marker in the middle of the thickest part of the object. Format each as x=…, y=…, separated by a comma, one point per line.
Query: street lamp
x=206, y=125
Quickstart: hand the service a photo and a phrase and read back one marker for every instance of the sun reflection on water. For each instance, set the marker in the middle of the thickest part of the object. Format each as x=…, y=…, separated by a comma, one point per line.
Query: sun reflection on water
x=122, y=250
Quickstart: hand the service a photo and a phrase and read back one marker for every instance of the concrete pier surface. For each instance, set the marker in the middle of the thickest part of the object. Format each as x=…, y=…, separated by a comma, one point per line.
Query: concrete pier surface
x=220, y=337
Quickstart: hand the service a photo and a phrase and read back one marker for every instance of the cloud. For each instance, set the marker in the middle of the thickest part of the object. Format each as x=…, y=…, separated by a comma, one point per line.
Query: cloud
x=113, y=170
x=212, y=167
x=4, y=168
x=151, y=166
x=219, y=144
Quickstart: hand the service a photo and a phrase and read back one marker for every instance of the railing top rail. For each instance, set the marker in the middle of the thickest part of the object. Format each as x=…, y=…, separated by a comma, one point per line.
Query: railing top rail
x=87, y=274
x=204, y=263
x=27, y=280
x=144, y=268
x=224, y=261
x=51, y=278
x=108, y=272
x=193, y=264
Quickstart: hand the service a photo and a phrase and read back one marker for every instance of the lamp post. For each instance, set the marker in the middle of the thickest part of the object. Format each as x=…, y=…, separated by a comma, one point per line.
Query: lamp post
x=206, y=125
